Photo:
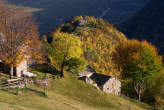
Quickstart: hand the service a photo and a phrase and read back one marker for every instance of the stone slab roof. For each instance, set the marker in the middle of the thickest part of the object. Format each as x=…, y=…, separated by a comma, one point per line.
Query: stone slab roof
x=100, y=79
x=88, y=72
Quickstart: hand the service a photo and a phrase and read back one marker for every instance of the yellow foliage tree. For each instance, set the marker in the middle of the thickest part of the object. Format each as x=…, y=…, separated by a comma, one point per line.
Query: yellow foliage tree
x=64, y=47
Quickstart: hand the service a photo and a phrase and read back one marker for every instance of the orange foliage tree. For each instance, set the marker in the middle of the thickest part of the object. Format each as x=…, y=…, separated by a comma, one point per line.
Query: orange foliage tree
x=19, y=39
x=137, y=61
x=1, y=1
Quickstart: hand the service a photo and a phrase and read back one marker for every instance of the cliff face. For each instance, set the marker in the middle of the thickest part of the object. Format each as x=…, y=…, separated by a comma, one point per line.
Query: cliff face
x=147, y=24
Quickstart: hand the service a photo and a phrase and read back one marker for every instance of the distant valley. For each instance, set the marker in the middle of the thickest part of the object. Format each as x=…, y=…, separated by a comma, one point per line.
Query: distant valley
x=56, y=12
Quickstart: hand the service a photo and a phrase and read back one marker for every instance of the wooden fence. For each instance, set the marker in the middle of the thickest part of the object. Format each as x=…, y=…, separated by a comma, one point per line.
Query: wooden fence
x=13, y=83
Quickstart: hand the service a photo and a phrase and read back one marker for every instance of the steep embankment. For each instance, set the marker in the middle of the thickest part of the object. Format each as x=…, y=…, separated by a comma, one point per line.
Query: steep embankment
x=147, y=24
x=66, y=94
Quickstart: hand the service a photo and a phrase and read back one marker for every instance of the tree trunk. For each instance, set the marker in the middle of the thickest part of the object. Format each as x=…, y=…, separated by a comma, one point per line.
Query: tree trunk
x=139, y=88
x=11, y=72
x=139, y=96
x=140, y=92
x=61, y=71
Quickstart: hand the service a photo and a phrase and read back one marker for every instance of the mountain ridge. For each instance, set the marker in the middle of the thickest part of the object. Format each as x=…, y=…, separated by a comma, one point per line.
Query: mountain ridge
x=147, y=24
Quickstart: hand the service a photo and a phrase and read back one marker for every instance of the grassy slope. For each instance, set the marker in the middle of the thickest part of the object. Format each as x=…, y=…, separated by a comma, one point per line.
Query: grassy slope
x=65, y=94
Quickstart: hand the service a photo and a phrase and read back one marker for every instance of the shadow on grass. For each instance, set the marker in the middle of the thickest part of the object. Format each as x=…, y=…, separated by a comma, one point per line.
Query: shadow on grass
x=37, y=92
x=45, y=68
x=19, y=91
x=10, y=91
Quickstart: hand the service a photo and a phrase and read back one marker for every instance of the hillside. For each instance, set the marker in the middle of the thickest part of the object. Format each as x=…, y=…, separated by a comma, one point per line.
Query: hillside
x=147, y=24
x=66, y=94
x=56, y=12
x=99, y=39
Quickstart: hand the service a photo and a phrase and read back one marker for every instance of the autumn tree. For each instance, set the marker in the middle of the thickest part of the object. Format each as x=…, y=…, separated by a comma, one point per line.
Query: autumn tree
x=62, y=48
x=137, y=61
x=1, y=2
x=154, y=92
x=77, y=65
x=19, y=38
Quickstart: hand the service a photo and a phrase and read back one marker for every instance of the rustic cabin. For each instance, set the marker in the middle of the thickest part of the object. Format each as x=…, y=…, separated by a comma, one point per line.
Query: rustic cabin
x=103, y=82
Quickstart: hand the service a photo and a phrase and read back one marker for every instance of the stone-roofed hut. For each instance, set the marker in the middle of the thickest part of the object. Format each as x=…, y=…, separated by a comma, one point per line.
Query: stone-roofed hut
x=103, y=82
